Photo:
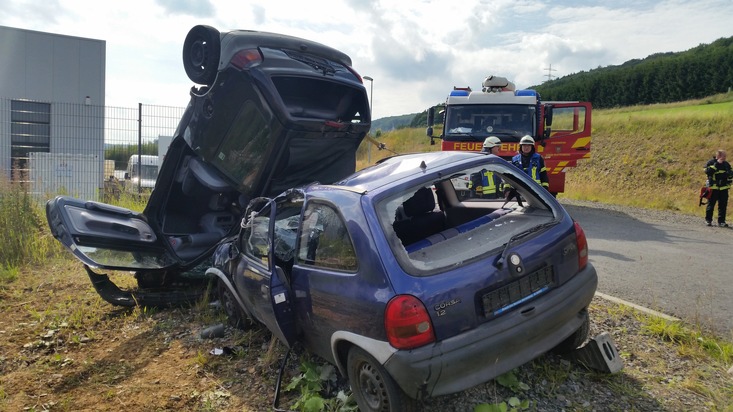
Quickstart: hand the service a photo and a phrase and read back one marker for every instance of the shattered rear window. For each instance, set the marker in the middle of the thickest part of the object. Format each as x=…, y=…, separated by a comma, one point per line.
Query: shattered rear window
x=454, y=220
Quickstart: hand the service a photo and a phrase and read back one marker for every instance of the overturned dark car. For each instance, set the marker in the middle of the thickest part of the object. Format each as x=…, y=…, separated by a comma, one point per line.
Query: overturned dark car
x=270, y=112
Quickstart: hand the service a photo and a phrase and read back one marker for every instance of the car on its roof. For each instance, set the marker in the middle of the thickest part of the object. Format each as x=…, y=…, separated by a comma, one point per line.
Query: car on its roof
x=267, y=112
x=407, y=280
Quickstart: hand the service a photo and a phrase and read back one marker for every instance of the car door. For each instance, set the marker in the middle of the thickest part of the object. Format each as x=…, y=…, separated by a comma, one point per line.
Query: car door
x=263, y=277
x=183, y=221
x=570, y=137
x=106, y=236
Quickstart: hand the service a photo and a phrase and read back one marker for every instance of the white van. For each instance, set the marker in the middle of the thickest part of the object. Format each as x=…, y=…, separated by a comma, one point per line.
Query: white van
x=142, y=171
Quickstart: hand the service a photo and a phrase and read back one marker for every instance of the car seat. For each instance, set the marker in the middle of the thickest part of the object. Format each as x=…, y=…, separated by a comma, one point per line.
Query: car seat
x=419, y=218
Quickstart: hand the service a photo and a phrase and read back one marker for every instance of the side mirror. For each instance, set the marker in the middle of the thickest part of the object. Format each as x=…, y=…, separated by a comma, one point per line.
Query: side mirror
x=548, y=116
x=431, y=117
x=429, y=132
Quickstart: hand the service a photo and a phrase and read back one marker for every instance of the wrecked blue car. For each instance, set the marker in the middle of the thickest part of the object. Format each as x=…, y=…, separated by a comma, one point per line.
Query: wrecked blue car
x=408, y=283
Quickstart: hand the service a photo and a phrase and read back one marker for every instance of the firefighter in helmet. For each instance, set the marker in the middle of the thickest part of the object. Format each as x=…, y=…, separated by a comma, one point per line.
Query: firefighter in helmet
x=720, y=176
x=531, y=162
x=491, y=143
x=485, y=183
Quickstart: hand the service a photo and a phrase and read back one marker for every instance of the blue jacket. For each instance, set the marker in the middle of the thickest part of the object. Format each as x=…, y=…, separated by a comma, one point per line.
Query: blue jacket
x=534, y=166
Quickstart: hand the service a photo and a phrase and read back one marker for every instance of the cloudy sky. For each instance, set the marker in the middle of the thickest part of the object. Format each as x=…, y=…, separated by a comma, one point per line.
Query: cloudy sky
x=415, y=50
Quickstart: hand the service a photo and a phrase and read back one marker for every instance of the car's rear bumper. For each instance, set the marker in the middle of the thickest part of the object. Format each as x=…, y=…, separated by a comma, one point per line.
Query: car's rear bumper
x=495, y=347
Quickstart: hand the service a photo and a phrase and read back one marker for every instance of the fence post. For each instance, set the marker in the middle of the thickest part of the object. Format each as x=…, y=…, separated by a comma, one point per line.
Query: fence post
x=139, y=148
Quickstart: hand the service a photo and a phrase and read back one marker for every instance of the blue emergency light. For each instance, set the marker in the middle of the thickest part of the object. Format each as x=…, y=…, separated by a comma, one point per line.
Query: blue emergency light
x=459, y=93
x=526, y=93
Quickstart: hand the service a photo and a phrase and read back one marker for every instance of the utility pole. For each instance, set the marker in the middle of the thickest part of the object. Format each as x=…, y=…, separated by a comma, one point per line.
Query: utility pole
x=549, y=74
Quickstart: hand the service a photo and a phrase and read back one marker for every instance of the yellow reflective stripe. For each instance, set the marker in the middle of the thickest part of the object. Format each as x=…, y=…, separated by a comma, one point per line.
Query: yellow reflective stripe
x=581, y=142
x=491, y=188
x=535, y=174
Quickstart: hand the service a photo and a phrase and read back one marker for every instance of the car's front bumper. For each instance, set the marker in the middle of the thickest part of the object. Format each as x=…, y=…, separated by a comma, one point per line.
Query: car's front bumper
x=497, y=346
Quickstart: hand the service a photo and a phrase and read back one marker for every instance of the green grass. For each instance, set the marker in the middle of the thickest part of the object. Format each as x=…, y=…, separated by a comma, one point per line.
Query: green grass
x=24, y=237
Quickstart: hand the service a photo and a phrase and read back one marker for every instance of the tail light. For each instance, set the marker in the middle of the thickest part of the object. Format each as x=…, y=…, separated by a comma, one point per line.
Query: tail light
x=407, y=323
x=582, y=244
x=246, y=58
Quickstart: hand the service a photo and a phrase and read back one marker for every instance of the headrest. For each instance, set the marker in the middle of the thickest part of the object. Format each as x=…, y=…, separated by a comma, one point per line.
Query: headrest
x=423, y=201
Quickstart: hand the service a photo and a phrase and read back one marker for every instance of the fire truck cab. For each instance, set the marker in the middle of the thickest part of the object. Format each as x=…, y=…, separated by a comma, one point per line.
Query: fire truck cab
x=561, y=130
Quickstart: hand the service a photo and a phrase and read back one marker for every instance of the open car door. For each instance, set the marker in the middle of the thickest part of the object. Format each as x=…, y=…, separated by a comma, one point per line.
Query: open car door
x=570, y=137
x=106, y=236
x=262, y=279
x=281, y=298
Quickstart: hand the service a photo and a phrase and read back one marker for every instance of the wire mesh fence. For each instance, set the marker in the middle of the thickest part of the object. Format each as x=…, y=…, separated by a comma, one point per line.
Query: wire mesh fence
x=86, y=151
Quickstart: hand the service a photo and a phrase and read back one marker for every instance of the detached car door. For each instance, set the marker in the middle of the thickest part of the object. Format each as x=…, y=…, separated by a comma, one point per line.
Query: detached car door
x=106, y=236
x=267, y=242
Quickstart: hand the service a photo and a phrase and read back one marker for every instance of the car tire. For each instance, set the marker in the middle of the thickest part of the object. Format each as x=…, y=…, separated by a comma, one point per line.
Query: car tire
x=373, y=387
x=201, y=52
x=574, y=341
x=235, y=315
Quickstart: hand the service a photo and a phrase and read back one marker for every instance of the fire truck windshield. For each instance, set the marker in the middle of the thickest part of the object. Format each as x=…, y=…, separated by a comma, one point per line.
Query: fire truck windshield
x=475, y=122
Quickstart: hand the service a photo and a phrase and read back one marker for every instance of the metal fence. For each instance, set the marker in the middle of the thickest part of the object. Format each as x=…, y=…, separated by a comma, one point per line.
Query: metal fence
x=80, y=150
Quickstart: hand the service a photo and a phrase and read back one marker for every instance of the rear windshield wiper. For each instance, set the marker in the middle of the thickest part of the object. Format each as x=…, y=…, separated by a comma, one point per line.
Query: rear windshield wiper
x=500, y=262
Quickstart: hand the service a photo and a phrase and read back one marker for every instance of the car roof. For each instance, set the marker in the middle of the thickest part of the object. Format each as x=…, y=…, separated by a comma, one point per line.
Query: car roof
x=397, y=168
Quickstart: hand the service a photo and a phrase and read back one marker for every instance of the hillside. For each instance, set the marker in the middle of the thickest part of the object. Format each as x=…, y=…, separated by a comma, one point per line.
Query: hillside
x=663, y=77
x=649, y=156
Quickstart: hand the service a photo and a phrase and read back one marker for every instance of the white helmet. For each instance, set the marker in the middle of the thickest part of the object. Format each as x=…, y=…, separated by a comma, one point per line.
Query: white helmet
x=527, y=139
x=491, y=141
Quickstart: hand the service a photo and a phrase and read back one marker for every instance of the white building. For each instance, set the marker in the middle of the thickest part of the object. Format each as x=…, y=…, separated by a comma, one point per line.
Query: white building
x=52, y=91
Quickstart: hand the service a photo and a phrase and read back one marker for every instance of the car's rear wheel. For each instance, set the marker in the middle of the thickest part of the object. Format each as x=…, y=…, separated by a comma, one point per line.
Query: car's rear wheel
x=201, y=52
x=229, y=304
x=373, y=387
x=574, y=341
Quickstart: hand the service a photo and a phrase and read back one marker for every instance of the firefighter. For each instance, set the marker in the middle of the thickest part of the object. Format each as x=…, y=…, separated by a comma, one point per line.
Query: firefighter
x=491, y=143
x=531, y=162
x=486, y=184
x=719, y=175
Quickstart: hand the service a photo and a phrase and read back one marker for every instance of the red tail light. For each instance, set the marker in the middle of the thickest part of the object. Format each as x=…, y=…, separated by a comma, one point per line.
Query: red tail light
x=246, y=58
x=407, y=323
x=582, y=246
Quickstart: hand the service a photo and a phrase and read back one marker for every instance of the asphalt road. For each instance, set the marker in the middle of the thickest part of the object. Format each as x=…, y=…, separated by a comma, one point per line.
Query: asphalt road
x=667, y=262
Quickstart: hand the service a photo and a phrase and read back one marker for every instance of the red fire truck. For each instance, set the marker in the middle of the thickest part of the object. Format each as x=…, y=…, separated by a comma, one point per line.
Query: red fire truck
x=561, y=129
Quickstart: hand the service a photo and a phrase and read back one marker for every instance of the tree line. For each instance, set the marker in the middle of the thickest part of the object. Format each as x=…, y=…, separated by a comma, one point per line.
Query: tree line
x=660, y=78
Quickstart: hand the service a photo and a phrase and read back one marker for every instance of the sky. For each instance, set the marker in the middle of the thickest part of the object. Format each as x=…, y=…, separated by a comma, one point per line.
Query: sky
x=415, y=50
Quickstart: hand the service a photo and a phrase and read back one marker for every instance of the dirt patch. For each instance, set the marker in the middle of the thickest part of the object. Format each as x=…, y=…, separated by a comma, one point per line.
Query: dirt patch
x=63, y=348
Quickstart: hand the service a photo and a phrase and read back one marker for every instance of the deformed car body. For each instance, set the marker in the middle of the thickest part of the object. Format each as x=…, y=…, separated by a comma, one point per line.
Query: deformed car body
x=407, y=283
x=399, y=274
x=269, y=112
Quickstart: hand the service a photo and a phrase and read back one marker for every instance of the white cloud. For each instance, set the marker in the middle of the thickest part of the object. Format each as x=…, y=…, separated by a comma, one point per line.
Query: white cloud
x=416, y=50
